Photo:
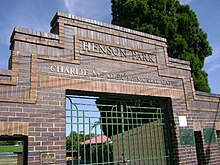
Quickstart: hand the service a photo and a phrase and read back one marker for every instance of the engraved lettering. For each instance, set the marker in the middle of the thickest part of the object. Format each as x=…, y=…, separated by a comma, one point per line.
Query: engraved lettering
x=134, y=55
x=117, y=52
x=111, y=76
x=60, y=69
x=94, y=73
x=86, y=72
x=72, y=70
x=145, y=57
x=66, y=70
x=52, y=68
x=150, y=58
x=122, y=52
x=102, y=50
x=95, y=48
x=86, y=46
x=109, y=50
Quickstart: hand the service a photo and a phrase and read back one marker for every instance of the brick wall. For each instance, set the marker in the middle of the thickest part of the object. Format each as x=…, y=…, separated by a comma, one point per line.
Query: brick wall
x=32, y=91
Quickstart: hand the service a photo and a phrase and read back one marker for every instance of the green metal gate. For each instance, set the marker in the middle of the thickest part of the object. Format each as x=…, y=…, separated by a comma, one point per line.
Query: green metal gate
x=115, y=131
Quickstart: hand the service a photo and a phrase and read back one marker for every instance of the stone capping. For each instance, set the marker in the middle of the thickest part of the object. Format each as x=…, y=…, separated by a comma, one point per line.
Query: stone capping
x=35, y=37
x=5, y=72
x=34, y=33
x=205, y=94
x=5, y=76
x=178, y=61
x=105, y=25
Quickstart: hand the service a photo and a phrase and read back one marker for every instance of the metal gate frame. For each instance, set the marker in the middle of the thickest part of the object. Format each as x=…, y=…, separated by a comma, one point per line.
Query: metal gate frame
x=124, y=127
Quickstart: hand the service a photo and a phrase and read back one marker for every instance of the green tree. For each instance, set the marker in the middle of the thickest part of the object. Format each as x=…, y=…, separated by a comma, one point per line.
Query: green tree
x=73, y=140
x=173, y=21
x=117, y=115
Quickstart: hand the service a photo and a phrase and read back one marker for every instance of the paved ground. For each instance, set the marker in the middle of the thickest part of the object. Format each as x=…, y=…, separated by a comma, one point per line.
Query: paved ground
x=8, y=161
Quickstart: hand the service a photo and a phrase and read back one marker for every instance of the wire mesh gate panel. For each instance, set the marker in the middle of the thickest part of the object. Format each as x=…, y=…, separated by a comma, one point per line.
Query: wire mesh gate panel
x=115, y=131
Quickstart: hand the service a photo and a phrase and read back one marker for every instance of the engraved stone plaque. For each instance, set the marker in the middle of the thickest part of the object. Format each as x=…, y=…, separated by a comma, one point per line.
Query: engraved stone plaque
x=48, y=158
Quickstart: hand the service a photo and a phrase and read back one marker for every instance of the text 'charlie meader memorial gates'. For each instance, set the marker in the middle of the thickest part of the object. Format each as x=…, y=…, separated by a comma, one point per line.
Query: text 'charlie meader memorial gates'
x=94, y=93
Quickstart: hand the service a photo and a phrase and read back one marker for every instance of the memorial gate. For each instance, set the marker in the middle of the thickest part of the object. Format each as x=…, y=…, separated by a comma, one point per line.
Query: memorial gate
x=93, y=93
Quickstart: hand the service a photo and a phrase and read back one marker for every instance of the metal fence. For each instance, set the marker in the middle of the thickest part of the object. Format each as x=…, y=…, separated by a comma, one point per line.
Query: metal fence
x=115, y=131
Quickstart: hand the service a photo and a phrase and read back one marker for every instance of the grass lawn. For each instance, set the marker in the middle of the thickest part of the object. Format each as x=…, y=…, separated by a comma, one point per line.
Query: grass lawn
x=11, y=148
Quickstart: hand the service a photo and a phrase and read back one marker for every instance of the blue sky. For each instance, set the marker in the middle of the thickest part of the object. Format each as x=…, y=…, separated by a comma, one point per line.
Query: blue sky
x=37, y=14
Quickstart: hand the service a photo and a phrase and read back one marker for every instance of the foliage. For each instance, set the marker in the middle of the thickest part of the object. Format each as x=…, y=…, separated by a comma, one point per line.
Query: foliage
x=74, y=139
x=119, y=117
x=173, y=21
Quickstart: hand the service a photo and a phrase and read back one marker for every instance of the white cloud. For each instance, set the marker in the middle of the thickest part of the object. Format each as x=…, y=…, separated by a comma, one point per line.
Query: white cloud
x=212, y=63
x=185, y=1
x=214, y=56
x=213, y=68
x=94, y=9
